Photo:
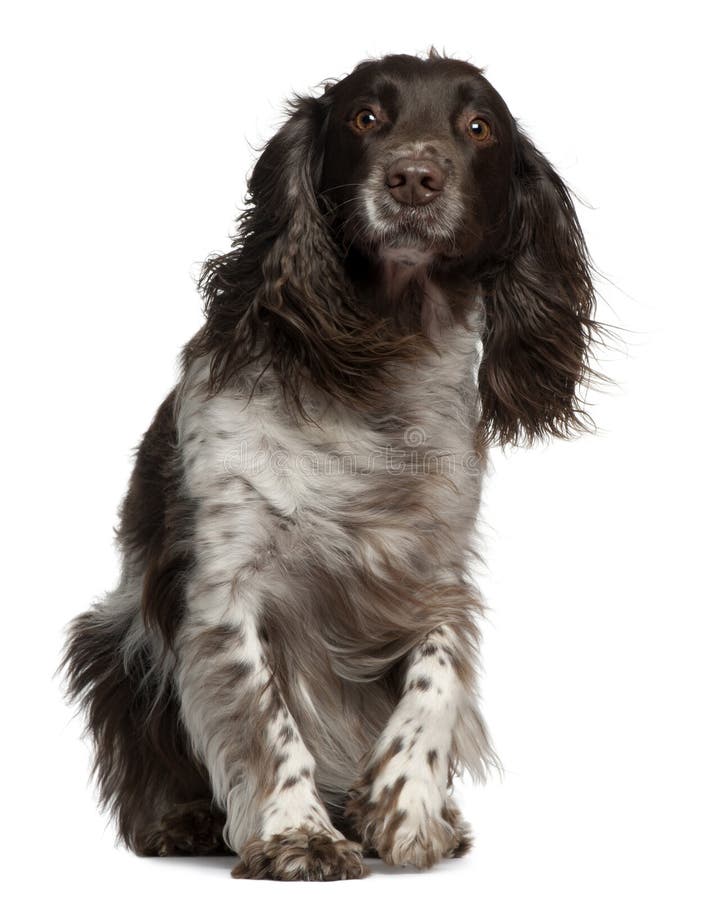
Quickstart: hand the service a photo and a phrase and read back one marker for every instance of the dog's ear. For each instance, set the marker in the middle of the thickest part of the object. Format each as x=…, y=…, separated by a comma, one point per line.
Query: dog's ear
x=285, y=227
x=539, y=307
x=276, y=295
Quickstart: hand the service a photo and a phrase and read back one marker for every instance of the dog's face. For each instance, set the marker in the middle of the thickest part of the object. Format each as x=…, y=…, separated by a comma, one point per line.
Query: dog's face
x=418, y=156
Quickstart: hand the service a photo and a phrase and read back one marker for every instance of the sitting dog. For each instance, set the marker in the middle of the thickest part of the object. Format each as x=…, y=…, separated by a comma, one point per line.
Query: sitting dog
x=287, y=669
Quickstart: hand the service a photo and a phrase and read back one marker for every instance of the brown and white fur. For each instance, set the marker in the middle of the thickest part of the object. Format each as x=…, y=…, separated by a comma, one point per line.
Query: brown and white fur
x=287, y=670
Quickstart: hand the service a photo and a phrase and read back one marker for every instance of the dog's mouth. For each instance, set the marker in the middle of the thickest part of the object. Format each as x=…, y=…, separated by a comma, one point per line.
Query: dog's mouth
x=411, y=233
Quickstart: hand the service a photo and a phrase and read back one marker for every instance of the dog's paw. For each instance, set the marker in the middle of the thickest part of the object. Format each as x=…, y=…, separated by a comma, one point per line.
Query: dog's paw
x=190, y=829
x=422, y=841
x=300, y=855
x=408, y=823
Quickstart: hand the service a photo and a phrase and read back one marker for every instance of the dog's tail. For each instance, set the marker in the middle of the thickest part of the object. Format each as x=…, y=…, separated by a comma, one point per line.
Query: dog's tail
x=143, y=764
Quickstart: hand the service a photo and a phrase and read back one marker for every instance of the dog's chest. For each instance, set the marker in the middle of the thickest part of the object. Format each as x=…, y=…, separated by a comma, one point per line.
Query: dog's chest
x=347, y=484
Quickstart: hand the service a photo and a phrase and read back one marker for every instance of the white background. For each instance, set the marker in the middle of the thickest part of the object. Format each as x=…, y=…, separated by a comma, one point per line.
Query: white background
x=128, y=132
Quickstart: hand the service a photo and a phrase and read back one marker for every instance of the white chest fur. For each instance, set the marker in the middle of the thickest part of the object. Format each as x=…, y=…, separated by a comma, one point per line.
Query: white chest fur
x=318, y=537
x=260, y=478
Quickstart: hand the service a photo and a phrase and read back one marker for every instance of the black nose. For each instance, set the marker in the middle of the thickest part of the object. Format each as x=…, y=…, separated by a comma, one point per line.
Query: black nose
x=415, y=181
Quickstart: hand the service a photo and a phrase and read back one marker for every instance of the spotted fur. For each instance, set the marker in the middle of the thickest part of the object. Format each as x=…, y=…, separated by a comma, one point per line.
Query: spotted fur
x=287, y=669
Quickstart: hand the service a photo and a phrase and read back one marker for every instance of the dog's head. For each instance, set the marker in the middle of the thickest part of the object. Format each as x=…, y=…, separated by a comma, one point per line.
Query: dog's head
x=417, y=157
x=415, y=164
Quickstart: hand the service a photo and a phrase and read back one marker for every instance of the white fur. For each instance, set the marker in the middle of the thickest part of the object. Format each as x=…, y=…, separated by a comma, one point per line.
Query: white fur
x=246, y=466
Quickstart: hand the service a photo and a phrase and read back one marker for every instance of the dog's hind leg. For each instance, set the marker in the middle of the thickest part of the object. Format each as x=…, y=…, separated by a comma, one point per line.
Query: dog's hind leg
x=147, y=775
x=188, y=829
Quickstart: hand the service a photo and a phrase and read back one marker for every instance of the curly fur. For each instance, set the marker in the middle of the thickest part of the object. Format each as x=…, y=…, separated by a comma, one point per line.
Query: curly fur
x=289, y=662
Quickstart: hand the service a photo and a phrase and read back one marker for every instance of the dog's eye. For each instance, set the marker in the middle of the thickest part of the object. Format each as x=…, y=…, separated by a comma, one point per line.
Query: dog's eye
x=479, y=129
x=365, y=120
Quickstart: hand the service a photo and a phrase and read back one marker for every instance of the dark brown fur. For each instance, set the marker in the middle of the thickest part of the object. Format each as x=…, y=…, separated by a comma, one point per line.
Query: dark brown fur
x=191, y=829
x=143, y=763
x=303, y=293
x=156, y=523
x=284, y=295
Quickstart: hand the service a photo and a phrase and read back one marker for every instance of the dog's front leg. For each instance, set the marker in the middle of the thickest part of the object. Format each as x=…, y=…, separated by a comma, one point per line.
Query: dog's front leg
x=401, y=806
x=259, y=766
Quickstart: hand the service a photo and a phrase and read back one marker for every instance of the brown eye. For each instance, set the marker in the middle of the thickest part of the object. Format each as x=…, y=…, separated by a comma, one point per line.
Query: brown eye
x=479, y=129
x=365, y=120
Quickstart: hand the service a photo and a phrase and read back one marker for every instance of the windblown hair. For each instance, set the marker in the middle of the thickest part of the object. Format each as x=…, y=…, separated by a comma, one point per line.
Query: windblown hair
x=539, y=311
x=282, y=294
x=288, y=667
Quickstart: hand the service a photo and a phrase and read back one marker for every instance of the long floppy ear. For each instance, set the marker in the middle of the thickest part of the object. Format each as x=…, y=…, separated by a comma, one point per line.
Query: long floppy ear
x=539, y=309
x=281, y=293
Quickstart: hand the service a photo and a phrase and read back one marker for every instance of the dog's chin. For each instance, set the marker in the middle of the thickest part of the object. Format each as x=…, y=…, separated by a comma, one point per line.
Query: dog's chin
x=407, y=255
x=414, y=244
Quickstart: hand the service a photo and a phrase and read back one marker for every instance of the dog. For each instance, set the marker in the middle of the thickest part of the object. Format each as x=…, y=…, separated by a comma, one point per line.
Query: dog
x=287, y=668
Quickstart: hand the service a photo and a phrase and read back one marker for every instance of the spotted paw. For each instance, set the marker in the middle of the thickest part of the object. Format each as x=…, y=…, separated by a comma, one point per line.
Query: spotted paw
x=420, y=842
x=408, y=823
x=300, y=855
